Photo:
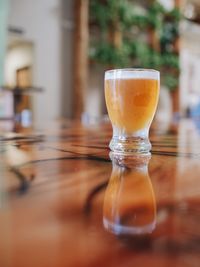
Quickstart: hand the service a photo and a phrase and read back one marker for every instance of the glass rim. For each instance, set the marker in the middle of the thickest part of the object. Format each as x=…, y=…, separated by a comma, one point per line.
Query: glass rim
x=133, y=70
x=132, y=73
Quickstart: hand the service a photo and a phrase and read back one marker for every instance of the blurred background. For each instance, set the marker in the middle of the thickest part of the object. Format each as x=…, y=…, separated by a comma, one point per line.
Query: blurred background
x=53, y=54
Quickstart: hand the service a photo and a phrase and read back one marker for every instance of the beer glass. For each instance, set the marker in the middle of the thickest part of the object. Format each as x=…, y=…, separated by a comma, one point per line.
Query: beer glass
x=131, y=99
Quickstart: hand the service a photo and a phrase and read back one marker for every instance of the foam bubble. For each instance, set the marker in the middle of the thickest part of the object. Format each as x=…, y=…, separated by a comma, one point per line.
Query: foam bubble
x=132, y=74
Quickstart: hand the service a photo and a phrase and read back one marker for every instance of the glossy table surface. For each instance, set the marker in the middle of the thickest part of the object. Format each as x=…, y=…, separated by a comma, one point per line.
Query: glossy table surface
x=64, y=201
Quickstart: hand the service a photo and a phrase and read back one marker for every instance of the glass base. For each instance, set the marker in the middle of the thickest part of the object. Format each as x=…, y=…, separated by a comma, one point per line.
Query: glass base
x=130, y=145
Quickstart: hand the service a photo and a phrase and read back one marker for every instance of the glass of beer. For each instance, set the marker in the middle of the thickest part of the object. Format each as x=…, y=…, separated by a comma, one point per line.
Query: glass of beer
x=131, y=99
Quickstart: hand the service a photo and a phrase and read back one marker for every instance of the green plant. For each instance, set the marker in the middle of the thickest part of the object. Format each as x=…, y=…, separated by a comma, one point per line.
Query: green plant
x=122, y=35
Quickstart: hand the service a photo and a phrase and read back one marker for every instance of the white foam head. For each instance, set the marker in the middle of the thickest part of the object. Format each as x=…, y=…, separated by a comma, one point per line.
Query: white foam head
x=132, y=74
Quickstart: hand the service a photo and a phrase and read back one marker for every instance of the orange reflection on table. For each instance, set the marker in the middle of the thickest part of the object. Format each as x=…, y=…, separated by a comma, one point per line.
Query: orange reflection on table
x=129, y=202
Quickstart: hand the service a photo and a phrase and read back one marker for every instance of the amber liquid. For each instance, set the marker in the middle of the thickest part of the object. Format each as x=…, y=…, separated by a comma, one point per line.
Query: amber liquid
x=131, y=103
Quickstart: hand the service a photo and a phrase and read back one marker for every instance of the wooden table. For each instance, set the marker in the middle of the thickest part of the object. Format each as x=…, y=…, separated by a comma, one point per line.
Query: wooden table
x=60, y=205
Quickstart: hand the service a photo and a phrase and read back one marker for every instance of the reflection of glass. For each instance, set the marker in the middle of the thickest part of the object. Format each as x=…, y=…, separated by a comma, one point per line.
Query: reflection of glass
x=129, y=202
x=131, y=99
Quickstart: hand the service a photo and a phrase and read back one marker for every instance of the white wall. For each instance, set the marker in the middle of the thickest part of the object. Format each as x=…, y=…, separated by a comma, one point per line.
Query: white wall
x=40, y=20
x=3, y=25
x=190, y=65
x=17, y=56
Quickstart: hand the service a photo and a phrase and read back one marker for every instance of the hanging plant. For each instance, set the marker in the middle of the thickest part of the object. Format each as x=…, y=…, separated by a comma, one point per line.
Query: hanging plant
x=122, y=39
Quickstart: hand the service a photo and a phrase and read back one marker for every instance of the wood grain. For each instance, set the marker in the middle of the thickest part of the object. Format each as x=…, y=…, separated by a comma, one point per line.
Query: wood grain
x=51, y=206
